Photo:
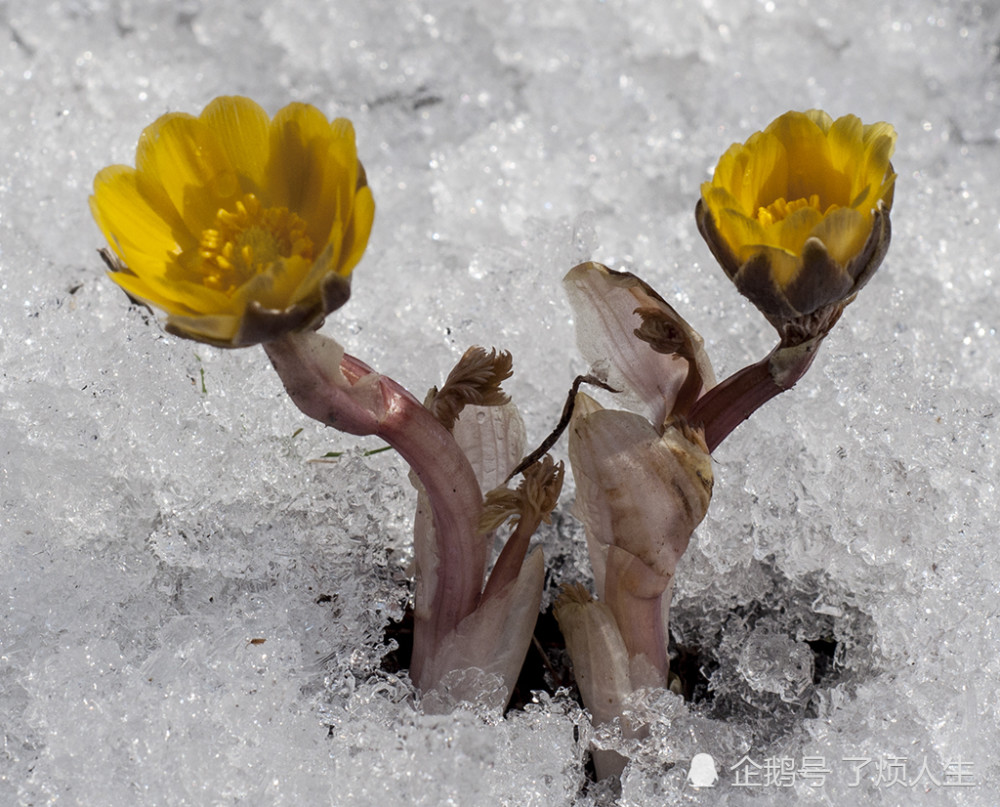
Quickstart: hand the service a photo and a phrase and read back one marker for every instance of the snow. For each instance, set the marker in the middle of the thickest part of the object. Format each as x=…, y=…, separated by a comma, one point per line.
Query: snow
x=161, y=512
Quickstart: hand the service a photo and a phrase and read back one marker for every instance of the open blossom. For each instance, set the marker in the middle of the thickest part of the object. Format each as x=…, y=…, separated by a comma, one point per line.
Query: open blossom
x=798, y=215
x=238, y=226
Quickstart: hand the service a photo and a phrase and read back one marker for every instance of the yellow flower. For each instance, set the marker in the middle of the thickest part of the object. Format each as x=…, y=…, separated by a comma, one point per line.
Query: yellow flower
x=798, y=216
x=239, y=227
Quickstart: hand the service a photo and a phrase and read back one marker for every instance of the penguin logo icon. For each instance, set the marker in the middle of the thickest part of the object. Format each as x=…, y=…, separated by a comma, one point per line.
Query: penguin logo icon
x=702, y=772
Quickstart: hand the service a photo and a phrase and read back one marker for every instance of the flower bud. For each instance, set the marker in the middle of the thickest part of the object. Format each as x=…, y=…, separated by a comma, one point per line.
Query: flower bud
x=798, y=216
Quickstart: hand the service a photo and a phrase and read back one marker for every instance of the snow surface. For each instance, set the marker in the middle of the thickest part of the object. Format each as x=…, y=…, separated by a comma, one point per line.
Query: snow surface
x=160, y=513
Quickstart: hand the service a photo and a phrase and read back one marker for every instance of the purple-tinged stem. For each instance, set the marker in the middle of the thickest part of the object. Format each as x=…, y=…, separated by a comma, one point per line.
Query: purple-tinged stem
x=346, y=394
x=508, y=565
x=728, y=404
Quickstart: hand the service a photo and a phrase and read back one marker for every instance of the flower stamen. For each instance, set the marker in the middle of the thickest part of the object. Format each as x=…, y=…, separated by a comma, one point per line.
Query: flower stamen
x=249, y=241
x=780, y=209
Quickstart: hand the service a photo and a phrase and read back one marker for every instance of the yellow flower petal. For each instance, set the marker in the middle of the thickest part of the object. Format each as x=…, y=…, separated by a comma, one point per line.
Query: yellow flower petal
x=767, y=169
x=719, y=198
x=135, y=231
x=326, y=262
x=731, y=174
x=843, y=233
x=172, y=296
x=181, y=154
x=360, y=227
x=300, y=137
x=791, y=232
x=217, y=329
x=241, y=128
x=331, y=194
x=274, y=287
x=822, y=120
x=741, y=230
x=880, y=147
x=847, y=154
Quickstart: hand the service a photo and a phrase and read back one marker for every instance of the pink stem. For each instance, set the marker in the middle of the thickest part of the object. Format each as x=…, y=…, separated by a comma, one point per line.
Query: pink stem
x=344, y=393
x=635, y=594
x=508, y=565
x=643, y=629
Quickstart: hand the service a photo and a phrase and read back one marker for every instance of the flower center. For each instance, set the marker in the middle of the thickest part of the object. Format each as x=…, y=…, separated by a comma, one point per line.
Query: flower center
x=249, y=241
x=779, y=210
